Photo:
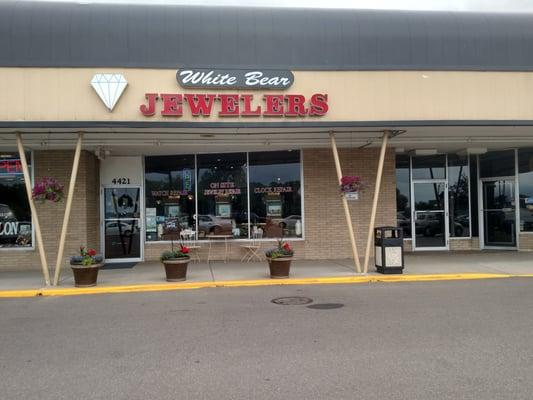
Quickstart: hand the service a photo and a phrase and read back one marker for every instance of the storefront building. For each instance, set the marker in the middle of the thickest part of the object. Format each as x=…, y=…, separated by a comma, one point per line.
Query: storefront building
x=218, y=121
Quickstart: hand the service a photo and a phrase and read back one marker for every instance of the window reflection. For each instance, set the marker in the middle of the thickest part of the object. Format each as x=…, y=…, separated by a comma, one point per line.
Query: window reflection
x=222, y=195
x=403, y=202
x=525, y=168
x=458, y=176
x=170, y=191
x=275, y=197
x=496, y=164
x=15, y=214
x=429, y=167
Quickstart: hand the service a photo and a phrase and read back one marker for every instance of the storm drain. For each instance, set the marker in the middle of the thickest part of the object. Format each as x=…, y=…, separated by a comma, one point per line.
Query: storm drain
x=292, y=301
x=326, y=306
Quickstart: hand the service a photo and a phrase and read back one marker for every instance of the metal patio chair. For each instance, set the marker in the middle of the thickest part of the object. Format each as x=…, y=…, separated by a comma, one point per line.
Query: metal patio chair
x=253, y=247
x=189, y=239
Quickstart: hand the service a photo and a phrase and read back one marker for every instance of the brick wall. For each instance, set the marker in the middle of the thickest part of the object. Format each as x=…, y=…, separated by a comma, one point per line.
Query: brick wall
x=526, y=241
x=84, y=219
x=325, y=223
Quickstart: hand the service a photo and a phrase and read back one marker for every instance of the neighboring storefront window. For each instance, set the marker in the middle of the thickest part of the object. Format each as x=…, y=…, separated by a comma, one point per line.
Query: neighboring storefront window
x=497, y=164
x=525, y=170
x=15, y=214
x=458, y=176
x=429, y=167
x=170, y=196
x=222, y=195
x=403, y=202
x=426, y=169
x=275, y=198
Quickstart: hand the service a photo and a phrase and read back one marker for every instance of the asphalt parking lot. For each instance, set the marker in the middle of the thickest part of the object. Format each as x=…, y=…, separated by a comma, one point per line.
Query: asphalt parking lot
x=421, y=340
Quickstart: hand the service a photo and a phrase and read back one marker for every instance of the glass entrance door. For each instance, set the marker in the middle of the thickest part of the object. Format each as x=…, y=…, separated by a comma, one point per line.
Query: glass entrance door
x=499, y=212
x=122, y=223
x=430, y=223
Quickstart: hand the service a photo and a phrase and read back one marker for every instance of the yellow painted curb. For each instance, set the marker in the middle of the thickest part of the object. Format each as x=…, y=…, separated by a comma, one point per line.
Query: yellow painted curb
x=54, y=291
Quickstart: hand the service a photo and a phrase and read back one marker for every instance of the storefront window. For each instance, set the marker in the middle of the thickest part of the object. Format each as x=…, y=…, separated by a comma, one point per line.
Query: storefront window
x=170, y=196
x=222, y=195
x=429, y=167
x=497, y=164
x=525, y=170
x=275, y=194
x=15, y=214
x=458, y=176
x=403, y=203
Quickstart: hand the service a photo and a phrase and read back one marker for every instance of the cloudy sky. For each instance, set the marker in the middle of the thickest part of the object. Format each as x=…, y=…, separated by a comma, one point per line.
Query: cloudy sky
x=457, y=5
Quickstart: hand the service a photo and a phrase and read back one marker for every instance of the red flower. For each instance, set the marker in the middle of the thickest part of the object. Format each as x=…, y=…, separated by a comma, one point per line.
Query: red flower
x=184, y=249
x=287, y=247
x=91, y=252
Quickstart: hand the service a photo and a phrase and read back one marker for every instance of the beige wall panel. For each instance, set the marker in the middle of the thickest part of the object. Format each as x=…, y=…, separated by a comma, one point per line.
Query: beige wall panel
x=65, y=94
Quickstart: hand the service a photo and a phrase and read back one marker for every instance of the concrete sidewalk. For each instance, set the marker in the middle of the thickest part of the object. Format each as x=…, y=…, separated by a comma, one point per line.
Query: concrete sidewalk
x=422, y=263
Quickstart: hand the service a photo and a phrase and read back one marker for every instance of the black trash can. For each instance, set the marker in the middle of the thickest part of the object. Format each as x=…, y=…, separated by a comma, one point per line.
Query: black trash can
x=388, y=249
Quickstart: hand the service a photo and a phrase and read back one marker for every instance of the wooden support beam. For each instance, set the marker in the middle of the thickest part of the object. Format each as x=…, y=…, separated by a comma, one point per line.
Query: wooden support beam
x=34, y=216
x=376, y=198
x=345, y=204
x=68, y=207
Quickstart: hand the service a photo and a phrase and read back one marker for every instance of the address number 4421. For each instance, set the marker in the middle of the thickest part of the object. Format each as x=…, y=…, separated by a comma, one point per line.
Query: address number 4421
x=120, y=181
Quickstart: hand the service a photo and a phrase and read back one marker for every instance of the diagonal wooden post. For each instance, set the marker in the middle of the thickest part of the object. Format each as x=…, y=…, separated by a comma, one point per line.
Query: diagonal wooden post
x=376, y=198
x=345, y=204
x=68, y=207
x=35, y=218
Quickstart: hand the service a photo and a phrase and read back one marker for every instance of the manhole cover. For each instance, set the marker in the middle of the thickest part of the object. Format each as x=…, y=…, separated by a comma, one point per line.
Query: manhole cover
x=292, y=301
x=325, y=306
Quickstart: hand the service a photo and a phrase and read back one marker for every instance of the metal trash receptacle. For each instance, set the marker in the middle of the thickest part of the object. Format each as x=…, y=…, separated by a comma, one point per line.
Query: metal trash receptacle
x=388, y=249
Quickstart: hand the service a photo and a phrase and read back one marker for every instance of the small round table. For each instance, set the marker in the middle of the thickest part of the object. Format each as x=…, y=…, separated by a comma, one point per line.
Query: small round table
x=219, y=238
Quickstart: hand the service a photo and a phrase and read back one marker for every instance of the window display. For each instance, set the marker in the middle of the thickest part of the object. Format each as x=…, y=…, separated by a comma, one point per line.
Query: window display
x=15, y=214
x=222, y=195
x=170, y=196
x=225, y=182
x=275, y=194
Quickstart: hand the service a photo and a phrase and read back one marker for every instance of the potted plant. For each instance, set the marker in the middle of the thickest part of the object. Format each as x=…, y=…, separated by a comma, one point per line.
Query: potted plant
x=176, y=262
x=85, y=267
x=351, y=186
x=279, y=260
x=48, y=189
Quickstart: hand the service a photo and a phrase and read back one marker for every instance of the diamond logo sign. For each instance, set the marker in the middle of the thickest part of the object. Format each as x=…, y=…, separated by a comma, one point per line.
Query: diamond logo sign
x=109, y=87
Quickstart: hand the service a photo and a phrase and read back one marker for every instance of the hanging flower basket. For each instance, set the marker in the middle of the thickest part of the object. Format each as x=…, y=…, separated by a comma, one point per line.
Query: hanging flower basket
x=48, y=189
x=351, y=186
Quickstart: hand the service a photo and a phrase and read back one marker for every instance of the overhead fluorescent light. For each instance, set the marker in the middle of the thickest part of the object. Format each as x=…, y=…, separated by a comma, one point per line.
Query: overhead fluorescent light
x=472, y=151
x=425, y=152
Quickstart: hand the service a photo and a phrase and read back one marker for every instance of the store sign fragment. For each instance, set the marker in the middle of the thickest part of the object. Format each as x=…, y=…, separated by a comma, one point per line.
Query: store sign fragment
x=216, y=78
x=235, y=105
x=10, y=166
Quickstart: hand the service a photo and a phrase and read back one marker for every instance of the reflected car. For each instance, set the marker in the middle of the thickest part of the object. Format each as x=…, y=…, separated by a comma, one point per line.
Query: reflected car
x=290, y=221
x=429, y=225
x=211, y=225
x=403, y=222
x=5, y=213
x=119, y=227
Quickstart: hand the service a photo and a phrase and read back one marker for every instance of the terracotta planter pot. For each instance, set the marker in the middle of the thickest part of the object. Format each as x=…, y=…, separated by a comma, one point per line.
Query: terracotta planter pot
x=279, y=267
x=176, y=269
x=85, y=276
